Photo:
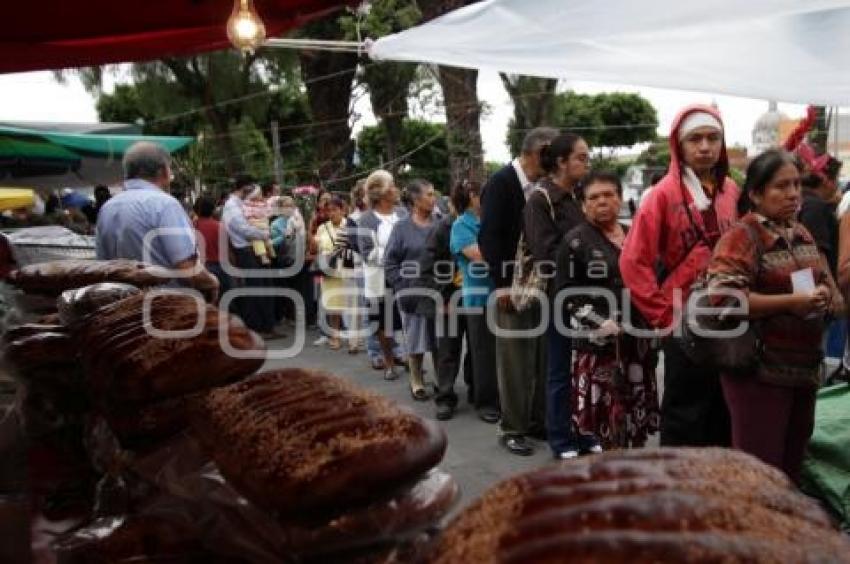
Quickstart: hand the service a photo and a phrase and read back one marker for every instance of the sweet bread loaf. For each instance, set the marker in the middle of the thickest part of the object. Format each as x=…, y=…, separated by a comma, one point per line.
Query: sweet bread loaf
x=148, y=423
x=54, y=277
x=126, y=362
x=671, y=505
x=305, y=442
x=41, y=349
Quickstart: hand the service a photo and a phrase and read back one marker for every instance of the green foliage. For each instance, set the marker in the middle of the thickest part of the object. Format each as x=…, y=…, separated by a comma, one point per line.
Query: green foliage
x=491, y=167
x=609, y=119
x=610, y=163
x=657, y=154
x=737, y=176
x=430, y=161
x=169, y=97
x=254, y=148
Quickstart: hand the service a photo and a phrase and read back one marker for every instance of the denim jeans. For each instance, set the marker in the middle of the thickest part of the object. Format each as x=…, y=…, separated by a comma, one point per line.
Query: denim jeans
x=559, y=391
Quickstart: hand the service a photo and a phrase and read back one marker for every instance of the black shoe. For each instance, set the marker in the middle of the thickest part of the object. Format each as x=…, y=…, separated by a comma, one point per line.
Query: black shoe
x=445, y=411
x=489, y=416
x=516, y=444
x=538, y=433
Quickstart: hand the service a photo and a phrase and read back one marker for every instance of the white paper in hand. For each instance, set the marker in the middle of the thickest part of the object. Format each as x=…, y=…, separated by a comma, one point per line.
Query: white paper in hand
x=803, y=281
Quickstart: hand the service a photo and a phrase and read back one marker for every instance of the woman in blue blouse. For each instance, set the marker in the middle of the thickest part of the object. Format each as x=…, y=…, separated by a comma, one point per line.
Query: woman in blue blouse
x=477, y=286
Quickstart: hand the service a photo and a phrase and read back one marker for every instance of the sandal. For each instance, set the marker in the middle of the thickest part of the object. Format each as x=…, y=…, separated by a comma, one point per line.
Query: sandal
x=390, y=374
x=419, y=394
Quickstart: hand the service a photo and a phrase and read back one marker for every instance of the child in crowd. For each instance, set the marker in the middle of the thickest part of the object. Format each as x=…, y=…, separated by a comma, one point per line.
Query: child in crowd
x=257, y=213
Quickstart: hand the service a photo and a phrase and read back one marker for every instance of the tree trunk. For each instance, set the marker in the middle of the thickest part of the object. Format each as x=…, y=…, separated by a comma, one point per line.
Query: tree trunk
x=534, y=104
x=328, y=77
x=463, y=111
x=388, y=87
x=463, y=124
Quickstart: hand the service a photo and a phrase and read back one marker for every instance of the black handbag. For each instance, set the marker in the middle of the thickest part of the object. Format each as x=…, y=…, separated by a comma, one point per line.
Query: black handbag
x=726, y=354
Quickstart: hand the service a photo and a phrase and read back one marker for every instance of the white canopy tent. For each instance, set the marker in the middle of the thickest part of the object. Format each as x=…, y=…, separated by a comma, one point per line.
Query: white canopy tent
x=787, y=50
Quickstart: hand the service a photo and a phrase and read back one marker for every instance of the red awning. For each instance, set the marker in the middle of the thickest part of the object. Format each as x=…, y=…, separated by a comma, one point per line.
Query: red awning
x=54, y=34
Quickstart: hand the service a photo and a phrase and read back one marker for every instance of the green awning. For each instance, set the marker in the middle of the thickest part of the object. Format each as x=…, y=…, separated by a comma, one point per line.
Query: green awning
x=12, y=148
x=94, y=144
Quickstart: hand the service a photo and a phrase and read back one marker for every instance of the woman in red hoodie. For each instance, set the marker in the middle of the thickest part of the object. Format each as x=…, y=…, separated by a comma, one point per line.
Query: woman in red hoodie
x=676, y=227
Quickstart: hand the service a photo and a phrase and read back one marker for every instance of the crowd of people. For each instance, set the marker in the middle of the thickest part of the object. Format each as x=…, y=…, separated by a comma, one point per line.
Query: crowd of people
x=552, y=308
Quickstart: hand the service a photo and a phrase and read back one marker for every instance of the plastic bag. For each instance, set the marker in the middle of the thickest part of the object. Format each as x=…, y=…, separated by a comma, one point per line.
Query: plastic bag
x=231, y=525
x=74, y=305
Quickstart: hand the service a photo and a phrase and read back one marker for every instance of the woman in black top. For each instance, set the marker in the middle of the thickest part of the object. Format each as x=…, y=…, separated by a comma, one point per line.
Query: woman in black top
x=614, y=393
x=552, y=210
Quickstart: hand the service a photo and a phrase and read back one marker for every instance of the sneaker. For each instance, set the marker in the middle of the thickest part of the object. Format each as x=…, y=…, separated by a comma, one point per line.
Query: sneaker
x=589, y=444
x=568, y=454
x=320, y=341
x=489, y=416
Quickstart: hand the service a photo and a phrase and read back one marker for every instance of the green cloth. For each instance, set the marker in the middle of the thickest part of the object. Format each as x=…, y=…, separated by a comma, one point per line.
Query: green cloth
x=826, y=469
x=94, y=143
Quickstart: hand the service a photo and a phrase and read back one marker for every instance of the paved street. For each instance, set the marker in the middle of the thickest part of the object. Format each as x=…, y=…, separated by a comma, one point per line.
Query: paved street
x=474, y=457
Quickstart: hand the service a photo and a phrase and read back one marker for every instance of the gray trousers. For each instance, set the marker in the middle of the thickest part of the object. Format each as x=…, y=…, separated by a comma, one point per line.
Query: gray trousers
x=521, y=372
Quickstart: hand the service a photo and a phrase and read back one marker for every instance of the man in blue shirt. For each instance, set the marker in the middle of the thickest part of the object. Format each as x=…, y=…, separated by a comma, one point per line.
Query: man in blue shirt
x=145, y=223
x=256, y=311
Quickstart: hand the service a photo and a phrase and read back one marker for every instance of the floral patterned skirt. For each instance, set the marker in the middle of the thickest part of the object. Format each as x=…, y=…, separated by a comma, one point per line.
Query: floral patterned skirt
x=620, y=411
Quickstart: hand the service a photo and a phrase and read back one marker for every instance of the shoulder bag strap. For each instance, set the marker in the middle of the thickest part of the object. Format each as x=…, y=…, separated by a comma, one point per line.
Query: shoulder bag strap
x=548, y=200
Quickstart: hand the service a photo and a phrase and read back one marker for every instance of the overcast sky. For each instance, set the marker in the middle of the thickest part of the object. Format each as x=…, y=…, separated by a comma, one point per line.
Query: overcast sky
x=37, y=97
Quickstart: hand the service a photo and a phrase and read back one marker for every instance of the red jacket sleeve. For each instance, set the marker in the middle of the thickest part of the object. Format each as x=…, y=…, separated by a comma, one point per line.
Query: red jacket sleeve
x=638, y=260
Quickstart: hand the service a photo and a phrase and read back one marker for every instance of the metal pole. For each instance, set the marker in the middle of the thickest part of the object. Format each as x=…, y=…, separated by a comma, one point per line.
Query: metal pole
x=278, y=163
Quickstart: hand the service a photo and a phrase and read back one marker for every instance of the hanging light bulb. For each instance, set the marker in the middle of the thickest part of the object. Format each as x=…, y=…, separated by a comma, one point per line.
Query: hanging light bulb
x=245, y=29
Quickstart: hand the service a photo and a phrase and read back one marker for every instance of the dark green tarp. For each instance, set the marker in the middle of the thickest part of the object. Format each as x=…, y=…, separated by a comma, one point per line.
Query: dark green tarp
x=826, y=470
x=94, y=143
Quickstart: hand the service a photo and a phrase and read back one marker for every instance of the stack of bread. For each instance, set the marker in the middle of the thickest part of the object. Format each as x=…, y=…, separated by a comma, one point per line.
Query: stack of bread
x=345, y=473
x=116, y=360
x=645, y=506
x=145, y=356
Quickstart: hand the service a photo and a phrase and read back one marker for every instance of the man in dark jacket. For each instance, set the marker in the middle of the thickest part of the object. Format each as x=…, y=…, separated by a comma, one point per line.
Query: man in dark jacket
x=818, y=210
x=502, y=203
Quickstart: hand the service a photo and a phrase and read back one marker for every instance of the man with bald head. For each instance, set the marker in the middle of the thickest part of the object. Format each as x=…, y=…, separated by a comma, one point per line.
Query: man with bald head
x=146, y=223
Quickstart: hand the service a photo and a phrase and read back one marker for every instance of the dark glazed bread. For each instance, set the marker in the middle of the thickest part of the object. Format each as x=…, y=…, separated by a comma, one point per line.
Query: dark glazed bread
x=126, y=362
x=654, y=505
x=306, y=442
x=54, y=277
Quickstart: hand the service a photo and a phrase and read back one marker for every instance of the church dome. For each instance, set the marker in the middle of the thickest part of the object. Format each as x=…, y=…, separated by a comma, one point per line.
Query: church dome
x=766, y=129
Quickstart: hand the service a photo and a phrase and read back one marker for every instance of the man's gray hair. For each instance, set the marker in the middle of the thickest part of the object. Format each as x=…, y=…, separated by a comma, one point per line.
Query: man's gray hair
x=145, y=160
x=536, y=138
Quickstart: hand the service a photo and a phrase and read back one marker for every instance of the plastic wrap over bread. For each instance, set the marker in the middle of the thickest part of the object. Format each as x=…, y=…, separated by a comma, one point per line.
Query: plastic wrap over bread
x=151, y=347
x=387, y=526
x=654, y=505
x=306, y=442
x=75, y=305
x=53, y=278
